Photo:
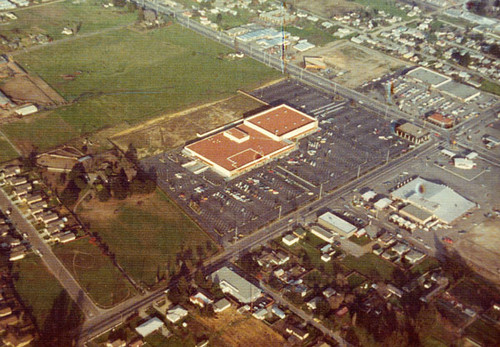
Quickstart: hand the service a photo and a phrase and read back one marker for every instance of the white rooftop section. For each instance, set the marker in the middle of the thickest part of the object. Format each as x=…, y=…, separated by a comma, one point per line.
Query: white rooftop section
x=232, y=283
x=148, y=327
x=439, y=200
x=382, y=203
x=369, y=195
x=337, y=222
x=176, y=313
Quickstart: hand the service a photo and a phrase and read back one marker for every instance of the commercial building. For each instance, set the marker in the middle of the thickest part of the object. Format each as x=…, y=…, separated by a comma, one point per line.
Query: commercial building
x=440, y=120
x=464, y=163
x=149, y=327
x=442, y=202
x=255, y=141
x=337, y=224
x=412, y=133
x=416, y=214
x=322, y=233
x=429, y=77
x=232, y=283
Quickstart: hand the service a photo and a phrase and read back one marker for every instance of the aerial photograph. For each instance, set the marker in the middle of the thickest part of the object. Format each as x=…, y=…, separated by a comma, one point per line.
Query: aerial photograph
x=249, y=173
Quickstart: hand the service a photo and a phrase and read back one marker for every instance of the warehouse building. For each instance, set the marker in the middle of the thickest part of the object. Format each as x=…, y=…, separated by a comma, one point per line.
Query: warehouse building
x=255, y=141
x=337, y=224
x=235, y=285
x=442, y=202
x=412, y=133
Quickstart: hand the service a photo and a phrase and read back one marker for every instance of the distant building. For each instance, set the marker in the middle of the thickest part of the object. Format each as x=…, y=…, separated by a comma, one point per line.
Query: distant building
x=412, y=133
x=235, y=285
x=221, y=305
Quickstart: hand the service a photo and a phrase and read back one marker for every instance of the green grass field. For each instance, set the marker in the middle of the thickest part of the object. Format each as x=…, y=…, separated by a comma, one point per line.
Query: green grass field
x=6, y=151
x=490, y=87
x=95, y=272
x=371, y=266
x=50, y=19
x=39, y=290
x=389, y=6
x=128, y=76
x=146, y=233
x=312, y=33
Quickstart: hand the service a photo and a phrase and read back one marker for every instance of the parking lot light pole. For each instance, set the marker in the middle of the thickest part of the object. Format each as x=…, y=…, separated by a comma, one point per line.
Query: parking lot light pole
x=279, y=214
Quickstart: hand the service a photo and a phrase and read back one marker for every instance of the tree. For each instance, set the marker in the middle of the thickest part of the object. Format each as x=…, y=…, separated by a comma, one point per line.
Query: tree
x=103, y=194
x=121, y=186
x=131, y=153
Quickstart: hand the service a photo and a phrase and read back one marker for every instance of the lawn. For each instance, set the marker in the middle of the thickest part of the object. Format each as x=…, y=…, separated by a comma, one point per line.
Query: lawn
x=486, y=334
x=472, y=293
x=312, y=33
x=424, y=266
x=147, y=234
x=42, y=294
x=354, y=280
x=50, y=19
x=389, y=6
x=7, y=152
x=126, y=76
x=361, y=241
x=95, y=272
x=490, y=87
x=371, y=266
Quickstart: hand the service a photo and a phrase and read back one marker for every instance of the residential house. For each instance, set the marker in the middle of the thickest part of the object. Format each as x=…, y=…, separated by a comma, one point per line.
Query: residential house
x=201, y=298
x=297, y=332
x=176, y=313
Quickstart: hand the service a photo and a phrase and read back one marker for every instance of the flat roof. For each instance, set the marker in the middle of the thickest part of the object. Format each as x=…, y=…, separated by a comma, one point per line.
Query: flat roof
x=280, y=120
x=459, y=90
x=438, y=117
x=148, y=327
x=232, y=155
x=427, y=76
x=246, y=291
x=417, y=213
x=412, y=129
x=443, y=202
x=337, y=222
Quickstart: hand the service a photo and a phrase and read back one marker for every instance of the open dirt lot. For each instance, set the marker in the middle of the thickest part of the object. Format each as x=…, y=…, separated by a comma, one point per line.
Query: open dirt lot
x=25, y=88
x=481, y=248
x=173, y=130
x=327, y=8
x=358, y=64
x=234, y=329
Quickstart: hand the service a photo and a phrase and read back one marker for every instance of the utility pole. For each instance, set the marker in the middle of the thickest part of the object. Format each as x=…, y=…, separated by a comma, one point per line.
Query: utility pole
x=359, y=169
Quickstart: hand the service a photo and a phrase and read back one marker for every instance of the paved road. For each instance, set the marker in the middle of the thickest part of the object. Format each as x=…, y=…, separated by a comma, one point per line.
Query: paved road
x=113, y=317
x=49, y=259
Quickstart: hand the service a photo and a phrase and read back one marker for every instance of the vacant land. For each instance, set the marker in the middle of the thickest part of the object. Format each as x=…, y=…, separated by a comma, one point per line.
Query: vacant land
x=128, y=77
x=40, y=292
x=356, y=63
x=173, y=130
x=481, y=246
x=371, y=266
x=95, y=272
x=51, y=19
x=232, y=329
x=327, y=8
x=6, y=151
x=146, y=233
x=315, y=35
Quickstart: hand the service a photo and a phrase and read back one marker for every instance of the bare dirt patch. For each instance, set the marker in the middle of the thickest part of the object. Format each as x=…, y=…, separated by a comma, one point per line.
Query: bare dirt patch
x=481, y=248
x=234, y=329
x=173, y=130
x=356, y=64
x=327, y=8
x=23, y=87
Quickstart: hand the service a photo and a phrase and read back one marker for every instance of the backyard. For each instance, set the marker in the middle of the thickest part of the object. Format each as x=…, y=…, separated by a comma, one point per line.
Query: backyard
x=147, y=233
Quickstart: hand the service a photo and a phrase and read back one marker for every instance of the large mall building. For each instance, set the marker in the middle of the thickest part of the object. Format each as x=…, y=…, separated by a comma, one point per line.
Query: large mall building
x=254, y=141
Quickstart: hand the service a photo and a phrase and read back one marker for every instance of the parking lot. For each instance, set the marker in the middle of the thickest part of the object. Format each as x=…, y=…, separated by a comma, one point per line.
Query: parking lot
x=349, y=142
x=418, y=100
